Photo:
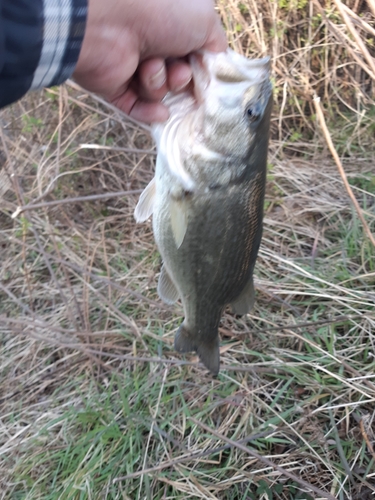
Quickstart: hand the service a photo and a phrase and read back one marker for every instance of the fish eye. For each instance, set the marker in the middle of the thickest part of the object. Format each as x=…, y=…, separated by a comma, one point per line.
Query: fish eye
x=252, y=113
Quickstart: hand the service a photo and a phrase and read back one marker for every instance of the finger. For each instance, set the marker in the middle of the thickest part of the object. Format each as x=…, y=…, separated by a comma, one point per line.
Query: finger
x=142, y=110
x=179, y=75
x=149, y=112
x=152, y=79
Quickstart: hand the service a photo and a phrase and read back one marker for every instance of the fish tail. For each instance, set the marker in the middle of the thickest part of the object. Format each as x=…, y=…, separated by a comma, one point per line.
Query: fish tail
x=209, y=354
x=208, y=351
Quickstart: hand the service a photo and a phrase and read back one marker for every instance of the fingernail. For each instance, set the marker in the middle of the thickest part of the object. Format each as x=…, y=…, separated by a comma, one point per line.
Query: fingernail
x=158, y=79
x=183, y=86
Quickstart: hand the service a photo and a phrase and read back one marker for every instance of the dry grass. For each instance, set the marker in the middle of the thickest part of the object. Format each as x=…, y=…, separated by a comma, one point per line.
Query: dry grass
x=94, y=401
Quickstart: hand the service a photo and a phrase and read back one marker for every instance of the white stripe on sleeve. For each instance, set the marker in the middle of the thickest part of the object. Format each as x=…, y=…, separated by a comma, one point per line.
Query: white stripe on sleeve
x=57, y=21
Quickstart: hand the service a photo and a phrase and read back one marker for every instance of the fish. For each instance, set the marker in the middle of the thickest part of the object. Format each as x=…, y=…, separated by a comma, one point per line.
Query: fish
x=207, y=196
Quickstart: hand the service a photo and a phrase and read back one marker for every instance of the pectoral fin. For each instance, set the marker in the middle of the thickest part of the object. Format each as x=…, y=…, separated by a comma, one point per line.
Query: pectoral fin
x=166, y=288
x=145, y=205
x=245, y=302
x=179, y=220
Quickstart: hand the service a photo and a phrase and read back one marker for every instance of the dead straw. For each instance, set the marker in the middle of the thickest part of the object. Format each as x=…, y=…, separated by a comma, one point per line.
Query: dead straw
x=265, y=460
x=357, y=38
x=192, y=456
x=77, y=199
x=332, y=148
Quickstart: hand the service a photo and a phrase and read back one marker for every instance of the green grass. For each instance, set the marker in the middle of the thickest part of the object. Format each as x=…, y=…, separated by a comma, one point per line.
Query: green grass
x=140, y=417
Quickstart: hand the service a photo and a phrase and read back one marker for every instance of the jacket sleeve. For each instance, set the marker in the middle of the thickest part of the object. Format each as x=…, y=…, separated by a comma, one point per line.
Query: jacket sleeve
x=40, y=41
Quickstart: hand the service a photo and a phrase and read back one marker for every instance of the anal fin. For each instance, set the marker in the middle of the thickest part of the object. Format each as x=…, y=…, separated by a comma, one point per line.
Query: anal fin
x=166, y=288
x=245, y=301
x=184, y=341
x=145, y=205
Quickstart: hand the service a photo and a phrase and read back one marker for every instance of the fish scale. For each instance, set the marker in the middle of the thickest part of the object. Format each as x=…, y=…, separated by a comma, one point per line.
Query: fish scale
x=209, y=235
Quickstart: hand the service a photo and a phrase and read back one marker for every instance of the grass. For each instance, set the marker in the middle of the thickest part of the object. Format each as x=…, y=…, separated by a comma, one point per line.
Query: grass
x=94, y=402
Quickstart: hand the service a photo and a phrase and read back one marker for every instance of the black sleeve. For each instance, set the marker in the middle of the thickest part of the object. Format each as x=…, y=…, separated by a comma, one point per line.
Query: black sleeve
x=40, y=41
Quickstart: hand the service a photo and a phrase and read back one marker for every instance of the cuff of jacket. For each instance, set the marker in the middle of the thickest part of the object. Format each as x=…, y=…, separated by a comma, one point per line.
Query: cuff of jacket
x=64, y=28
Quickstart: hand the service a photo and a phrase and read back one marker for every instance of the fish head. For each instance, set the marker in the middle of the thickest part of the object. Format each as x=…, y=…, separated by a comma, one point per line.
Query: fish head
x=212, y=132
x=234, y=100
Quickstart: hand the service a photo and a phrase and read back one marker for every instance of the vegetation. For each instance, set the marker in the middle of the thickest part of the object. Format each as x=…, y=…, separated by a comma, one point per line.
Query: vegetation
x=94, y=402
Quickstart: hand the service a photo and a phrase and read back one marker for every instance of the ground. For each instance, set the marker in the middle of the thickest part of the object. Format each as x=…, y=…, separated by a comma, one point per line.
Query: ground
x=94, y=401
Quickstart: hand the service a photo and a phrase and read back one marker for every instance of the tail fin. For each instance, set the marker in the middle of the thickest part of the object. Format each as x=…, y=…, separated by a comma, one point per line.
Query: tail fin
x=209, y=354
x=208, y=351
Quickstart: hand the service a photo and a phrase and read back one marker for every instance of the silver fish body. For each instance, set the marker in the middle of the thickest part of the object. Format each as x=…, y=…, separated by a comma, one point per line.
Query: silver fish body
x=208, y=193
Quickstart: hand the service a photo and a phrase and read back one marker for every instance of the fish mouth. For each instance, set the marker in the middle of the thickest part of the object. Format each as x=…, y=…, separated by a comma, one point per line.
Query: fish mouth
x=226, y=67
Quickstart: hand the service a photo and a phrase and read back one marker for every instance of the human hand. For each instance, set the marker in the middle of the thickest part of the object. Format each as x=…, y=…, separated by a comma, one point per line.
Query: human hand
x=133, y=50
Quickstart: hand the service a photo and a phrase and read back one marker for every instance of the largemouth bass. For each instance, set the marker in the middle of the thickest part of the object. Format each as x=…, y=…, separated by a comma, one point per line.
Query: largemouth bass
x=207, y=194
